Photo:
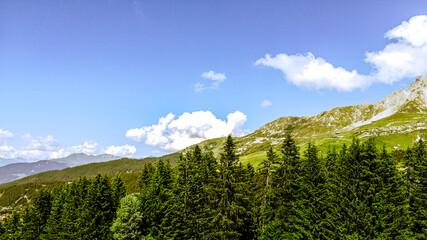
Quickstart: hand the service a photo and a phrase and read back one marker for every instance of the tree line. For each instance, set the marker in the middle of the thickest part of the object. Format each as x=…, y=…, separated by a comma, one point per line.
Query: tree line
x=355, y=192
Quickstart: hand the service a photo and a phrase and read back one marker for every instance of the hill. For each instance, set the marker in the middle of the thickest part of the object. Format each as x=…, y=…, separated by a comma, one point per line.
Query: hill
x=397, y=120
x=18, y=192
x=20, y=169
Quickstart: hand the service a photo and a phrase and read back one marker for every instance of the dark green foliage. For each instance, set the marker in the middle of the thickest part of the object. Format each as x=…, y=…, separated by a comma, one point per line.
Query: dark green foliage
x=267, y=170
x=34, y=218
x=231, y=211
x=156, y=201
x=119, y=190
x=284, y=185
x=53, y=225
x=98, y=210
x=357, y=192
x=416, y=182
x=315, y=211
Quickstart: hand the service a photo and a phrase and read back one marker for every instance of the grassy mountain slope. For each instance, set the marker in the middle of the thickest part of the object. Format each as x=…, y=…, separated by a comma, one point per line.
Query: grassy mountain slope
x=397, y=120
x=18, y=192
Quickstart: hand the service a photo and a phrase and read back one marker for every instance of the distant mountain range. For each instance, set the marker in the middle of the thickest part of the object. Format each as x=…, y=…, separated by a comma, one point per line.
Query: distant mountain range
x=17, y=168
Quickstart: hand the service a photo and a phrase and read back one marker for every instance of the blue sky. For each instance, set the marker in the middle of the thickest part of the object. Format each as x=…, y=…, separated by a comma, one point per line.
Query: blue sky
x=96, y=76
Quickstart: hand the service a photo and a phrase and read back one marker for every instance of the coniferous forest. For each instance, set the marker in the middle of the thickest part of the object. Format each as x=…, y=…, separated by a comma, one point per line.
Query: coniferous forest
x=359, y=191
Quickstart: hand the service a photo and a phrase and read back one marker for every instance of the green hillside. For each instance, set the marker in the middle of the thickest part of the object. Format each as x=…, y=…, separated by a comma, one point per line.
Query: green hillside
x=397, y=121
x=19, y=192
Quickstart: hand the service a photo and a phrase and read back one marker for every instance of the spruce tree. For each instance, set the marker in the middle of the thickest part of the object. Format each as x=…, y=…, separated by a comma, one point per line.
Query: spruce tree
x=118, y=190
x=267, y=169
x=74, y=199
x=53, y=224
x=315, y=212
x=156, y=202
x=416, y=161
x=98, y=211
x=229, y=214
x=284, y=190
x=189, y=206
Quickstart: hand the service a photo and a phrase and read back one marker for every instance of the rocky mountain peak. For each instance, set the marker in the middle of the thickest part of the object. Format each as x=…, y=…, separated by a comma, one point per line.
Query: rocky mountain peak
x=419, y=84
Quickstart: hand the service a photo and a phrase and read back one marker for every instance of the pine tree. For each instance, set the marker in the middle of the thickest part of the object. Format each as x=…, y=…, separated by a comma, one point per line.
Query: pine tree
x=145, y=177
x=284, y=190
x=118, y=190
x=156, y=202
x=229, y=214
x=13, y=227
x=315, y=212
x=267, y=169
x=53, y=224
x=29, y=224
x=98, y=211
x=390, y=201
x=416, y=161
x=35, y=217
x=71, y=216
x=189, y=206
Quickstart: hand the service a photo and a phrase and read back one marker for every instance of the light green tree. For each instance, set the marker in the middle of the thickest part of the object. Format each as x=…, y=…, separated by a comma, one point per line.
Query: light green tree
x=129, y=218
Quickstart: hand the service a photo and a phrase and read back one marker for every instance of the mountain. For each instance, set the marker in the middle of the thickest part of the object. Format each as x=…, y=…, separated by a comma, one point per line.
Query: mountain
x=77, y=159
x=20, y=169
x=7, y=161
x=397, y=120
x=16, y=171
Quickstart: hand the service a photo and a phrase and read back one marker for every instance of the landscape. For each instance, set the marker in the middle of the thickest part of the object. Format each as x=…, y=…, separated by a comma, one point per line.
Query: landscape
x=331, y=146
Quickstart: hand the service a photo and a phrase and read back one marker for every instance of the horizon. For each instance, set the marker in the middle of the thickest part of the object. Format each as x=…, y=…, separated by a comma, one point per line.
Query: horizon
x=142, y=78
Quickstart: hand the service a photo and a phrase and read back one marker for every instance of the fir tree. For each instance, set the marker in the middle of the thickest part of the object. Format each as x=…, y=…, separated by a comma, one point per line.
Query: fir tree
x=267, y=169
x=285, y=187
x=228, y=216
x=53, y=224
x=315, y=212
x=156, y=199
x=118, y=190
x=98, y=211
x=189, y=206
x=416, y=161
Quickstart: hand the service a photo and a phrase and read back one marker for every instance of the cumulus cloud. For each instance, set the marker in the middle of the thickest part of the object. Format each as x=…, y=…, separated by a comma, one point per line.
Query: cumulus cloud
x=217, y=79
x=5, y=136
x=172, y=134
x=121, y=151
x=40, y=148
x=406, y=57
x=266, y=103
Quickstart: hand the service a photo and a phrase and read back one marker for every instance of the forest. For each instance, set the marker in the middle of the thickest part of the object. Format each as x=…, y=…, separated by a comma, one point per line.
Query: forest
x=357, y=191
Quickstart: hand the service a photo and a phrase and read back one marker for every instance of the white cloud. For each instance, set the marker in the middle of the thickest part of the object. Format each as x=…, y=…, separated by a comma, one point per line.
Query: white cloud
x=311, y=72
x=41, y=148
x=5, y=136
x=172, y=134
x=217, y=79
x=121, y=151
x=198, y=87
x=88, y=147
x=405, y=58
x=266, y=103
x=41, y=144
